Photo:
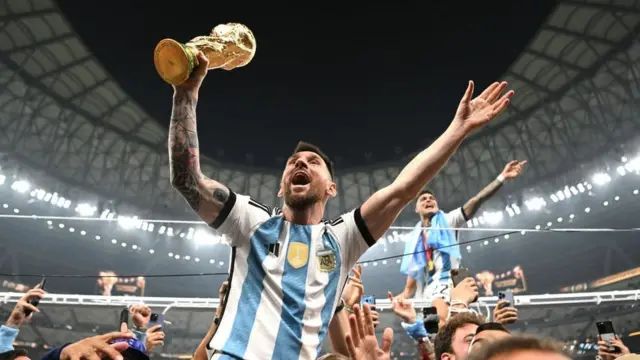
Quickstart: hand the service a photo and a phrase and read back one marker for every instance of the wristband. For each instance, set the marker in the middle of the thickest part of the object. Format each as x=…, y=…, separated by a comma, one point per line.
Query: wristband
x=415, y=330
x=500, y=178
x=348, y=308
x=7, y=336
x=339, y=308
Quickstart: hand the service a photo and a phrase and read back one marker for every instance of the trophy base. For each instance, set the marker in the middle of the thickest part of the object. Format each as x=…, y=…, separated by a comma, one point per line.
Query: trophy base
x=173, y=61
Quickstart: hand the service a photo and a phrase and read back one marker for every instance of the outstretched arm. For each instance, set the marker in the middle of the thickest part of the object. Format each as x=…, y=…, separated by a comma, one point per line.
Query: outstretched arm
x=513, y=169
x=382, y=208
x=205, y=196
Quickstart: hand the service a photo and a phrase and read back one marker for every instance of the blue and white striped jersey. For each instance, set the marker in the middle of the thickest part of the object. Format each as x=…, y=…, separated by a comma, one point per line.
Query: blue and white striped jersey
x=285, y=280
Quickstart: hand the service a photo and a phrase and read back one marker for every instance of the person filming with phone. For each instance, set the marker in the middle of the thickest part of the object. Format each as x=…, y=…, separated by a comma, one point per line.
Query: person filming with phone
x=21, y=313
x=435, y=251
x=609, y=344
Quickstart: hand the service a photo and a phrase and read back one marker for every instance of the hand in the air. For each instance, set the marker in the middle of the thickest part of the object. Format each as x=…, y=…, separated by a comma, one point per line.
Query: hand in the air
x=362, y=343
x=505, y=315
x=466, y=291
x=603, y=348
x=155, y=337
x=403, y=309
x=352, y=293
x=513, y=169
x=475, y=113
x=23, y=309
x=197, y=76
x=97, y=347
x=141, y=316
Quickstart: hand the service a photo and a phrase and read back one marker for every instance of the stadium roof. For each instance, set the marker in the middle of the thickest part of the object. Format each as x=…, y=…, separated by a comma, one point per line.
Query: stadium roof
x=64, y=116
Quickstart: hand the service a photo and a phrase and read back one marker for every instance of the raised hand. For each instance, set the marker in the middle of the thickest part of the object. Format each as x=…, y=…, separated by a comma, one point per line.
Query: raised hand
x=504, y=314
x=362, y=343
x=403, y=309
x=195, y=79
x=97, y=347
x=475, y=113
x=353, y=291
x=155, y=337
x=141, y=316
x=23, y=309
x=513, y=169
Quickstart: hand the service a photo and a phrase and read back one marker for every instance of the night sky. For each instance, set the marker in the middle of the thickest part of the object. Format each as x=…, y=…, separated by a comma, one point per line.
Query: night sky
x=353, y=79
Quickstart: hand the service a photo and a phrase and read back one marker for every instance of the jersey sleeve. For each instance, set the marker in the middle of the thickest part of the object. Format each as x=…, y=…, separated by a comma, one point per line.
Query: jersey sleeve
x=239, y=218
x=456, y=218
x=353, y=236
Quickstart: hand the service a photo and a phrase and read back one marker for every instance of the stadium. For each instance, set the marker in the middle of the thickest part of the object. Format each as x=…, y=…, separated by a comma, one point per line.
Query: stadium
x=86, y=195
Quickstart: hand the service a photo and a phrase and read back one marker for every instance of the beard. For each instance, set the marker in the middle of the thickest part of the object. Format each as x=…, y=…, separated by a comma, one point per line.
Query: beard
x=297, y=202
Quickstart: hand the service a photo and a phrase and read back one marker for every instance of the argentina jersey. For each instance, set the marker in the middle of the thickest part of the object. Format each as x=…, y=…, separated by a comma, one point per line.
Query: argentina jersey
x=443, y=263
x=285, y=280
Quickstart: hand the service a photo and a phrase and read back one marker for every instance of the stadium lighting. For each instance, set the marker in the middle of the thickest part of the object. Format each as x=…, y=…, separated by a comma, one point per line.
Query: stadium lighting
x=85, y=209
x=601, y=178
x=493, y=218
x=536, y=203
x=205, y=238
x=21, y=186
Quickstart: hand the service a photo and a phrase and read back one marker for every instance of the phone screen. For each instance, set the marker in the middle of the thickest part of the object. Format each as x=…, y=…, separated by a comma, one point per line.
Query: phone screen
x=607, y=333
x=431, y=322
x=371, y=300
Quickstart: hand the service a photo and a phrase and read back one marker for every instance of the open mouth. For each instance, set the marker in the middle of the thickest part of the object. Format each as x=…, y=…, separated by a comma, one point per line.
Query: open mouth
x=300, y=178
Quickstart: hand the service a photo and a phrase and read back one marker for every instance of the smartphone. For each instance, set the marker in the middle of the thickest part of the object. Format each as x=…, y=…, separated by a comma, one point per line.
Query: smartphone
x=371, y=300
x=156, y=319
x=36, y=301
x=607, y=333
x=508, y=296
x=457, y=275
x=431, y=320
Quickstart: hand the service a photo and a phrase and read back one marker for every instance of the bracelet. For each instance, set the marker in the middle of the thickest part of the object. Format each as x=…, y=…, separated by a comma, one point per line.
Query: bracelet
x=348, y=308
x=216, y=321
x=500, y=178
x=458, y=302
x=339, y=308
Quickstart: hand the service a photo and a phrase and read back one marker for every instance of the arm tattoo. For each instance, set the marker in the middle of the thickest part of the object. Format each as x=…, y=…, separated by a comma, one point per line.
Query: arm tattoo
x=184, y=152
x=472, y=206
x=220, y=195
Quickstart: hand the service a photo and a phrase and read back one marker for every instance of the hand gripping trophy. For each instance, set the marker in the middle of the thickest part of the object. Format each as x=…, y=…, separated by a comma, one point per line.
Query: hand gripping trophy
x=229, y=46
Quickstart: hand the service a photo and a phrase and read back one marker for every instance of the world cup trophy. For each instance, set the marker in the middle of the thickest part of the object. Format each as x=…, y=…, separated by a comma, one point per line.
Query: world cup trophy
x=229, y=46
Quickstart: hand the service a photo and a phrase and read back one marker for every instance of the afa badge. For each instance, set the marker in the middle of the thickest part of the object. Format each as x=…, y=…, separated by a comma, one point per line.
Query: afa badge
x=326, y=260
x=298, y=255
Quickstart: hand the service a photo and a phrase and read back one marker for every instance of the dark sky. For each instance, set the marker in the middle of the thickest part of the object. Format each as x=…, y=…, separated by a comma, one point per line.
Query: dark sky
x=351, y=78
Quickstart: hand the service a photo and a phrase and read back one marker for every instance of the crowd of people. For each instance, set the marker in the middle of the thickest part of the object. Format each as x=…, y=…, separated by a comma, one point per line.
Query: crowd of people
x=292, y=279
x=464, y=334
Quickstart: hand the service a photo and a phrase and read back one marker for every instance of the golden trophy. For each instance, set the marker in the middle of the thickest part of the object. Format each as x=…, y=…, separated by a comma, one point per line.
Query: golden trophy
x=229, y=46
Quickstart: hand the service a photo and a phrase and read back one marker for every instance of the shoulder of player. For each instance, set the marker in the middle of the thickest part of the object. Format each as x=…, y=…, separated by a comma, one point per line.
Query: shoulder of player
x=267, y=210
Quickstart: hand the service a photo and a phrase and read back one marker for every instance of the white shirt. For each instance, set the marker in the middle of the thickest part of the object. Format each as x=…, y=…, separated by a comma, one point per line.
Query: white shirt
x=443, y=263
x=285, y=279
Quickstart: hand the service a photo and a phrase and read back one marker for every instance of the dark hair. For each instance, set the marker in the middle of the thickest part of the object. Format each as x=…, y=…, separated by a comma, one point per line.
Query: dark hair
x=304, y=146
x=424, y=191
x=513, y=344
x=491, y=326
x=444, y=338
x=12, y=354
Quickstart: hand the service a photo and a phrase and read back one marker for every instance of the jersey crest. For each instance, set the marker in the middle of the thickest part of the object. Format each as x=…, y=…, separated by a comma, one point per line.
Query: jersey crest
x=298, y=255
x=326, y=260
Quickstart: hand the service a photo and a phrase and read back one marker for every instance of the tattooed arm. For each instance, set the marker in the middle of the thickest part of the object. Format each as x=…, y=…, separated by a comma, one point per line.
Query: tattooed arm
x=205, y=196
x=511, y=171
x=472, y=205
